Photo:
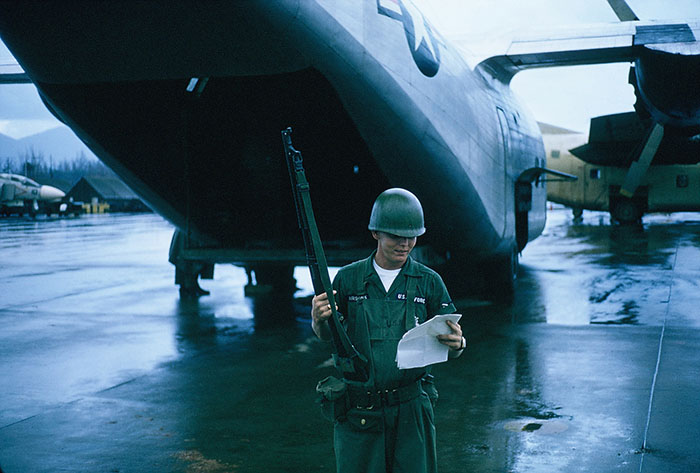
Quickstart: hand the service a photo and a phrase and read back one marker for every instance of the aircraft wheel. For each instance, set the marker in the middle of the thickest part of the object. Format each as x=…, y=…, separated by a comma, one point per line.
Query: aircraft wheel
x=625, y=211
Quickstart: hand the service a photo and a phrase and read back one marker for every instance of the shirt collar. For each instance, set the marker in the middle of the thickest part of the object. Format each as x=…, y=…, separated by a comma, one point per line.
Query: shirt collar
x=409, y=268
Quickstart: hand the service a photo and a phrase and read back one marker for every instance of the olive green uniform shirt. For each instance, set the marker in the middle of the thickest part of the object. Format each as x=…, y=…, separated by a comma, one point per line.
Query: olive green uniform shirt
x=376, y=319
x=398, y=438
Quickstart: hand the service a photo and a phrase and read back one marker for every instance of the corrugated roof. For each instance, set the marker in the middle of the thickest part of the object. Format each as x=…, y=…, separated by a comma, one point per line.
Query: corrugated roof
x=110, y=187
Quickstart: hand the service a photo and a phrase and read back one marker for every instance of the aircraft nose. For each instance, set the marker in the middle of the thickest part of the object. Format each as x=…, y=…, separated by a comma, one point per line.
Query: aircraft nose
x=50, y=193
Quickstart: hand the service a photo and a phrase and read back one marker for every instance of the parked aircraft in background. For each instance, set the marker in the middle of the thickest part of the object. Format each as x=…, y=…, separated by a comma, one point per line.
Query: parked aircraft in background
x=601, y=174
x=187, y=104
x=20, y=195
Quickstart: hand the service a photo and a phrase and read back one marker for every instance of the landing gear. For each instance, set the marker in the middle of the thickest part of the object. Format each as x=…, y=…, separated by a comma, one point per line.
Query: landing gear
x=578, y=214
x=492, y=278
x=188, y=272
x=187, y=276
x=625, y=211
x=500, y=273
x=271, y=288
x=268, y=279
x=627, y=204
x=32, y=208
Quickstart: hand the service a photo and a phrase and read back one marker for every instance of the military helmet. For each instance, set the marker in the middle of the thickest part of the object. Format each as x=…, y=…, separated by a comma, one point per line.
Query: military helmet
x=397, y=211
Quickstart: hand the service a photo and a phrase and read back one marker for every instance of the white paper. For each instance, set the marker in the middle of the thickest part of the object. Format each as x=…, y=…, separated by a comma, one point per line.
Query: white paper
x=420, y=347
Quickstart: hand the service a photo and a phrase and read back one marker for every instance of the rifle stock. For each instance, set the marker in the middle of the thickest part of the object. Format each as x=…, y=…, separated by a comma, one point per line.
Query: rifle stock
x=351, y=363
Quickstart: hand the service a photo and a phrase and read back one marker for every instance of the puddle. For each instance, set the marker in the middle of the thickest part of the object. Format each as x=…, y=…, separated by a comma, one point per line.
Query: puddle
x=539, y=426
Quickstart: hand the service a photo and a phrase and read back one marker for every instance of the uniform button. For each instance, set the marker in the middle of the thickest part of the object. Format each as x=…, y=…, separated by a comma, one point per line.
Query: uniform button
x=363, y=421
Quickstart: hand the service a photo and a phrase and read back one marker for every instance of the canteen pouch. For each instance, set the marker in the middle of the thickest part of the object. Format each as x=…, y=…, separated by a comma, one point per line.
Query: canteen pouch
x=333, y=397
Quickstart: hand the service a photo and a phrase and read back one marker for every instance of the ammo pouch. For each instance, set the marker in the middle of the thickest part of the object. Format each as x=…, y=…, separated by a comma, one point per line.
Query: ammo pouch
x=333, y=397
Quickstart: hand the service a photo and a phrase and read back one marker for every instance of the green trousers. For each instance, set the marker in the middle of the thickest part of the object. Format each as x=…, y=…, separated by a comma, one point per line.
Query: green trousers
x=395, y=439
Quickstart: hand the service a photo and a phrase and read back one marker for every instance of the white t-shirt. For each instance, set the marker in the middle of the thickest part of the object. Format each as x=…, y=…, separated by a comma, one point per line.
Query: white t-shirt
x=386, y=275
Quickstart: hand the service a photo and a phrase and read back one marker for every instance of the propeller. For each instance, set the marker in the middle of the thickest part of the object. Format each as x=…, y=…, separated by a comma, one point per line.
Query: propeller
x=623, y=10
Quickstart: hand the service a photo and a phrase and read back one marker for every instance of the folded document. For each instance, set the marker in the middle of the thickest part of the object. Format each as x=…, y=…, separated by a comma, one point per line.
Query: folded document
x=420, y=347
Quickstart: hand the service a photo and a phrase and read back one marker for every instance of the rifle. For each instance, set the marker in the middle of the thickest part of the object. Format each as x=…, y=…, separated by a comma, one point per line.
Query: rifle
x=351, y=363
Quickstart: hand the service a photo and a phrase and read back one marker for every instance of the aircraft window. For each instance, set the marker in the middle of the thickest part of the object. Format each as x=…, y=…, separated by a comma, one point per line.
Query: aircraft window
x=682, y=180
x=555, y=153
x=594, y=174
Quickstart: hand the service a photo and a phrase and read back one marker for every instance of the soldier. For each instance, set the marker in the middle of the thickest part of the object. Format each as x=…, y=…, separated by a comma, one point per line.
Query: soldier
x=386, y=424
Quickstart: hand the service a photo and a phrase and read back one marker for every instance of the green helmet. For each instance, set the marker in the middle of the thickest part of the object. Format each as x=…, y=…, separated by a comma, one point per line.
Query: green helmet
x=397, y=211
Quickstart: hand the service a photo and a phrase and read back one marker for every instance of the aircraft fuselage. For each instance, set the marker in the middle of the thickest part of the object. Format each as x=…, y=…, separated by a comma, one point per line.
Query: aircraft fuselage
x=376, y=98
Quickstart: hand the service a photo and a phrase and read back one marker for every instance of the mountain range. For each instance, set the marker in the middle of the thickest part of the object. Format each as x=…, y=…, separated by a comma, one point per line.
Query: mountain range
x=56, y=145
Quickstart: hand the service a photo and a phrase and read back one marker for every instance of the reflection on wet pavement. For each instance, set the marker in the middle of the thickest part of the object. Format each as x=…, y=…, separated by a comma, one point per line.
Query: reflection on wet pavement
x=597, y=273
x=106, y=369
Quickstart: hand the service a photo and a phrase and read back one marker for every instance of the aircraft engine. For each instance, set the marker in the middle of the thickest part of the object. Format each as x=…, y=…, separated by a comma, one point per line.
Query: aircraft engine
x=664, y=77
x=666, y=81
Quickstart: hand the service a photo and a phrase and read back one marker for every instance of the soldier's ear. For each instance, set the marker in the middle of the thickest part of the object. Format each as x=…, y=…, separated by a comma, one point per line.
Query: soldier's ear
x=375, y=235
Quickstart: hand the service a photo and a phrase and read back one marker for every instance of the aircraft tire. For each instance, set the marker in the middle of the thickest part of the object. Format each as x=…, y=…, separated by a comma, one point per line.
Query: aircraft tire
x=625, y=212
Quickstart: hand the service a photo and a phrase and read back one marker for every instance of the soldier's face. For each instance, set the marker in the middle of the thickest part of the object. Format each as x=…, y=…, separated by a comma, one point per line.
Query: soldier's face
x=392, y=250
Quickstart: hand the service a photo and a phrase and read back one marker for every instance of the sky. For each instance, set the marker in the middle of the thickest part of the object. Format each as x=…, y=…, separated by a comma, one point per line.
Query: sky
x=567, y=97
x=564, y=96
x=22, y=112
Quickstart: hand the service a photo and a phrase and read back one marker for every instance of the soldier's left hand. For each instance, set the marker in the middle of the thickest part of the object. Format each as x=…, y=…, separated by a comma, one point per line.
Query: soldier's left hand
x=455, y=340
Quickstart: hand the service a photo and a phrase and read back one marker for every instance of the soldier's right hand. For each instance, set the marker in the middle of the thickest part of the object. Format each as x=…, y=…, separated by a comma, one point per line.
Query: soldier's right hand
x=320, y=308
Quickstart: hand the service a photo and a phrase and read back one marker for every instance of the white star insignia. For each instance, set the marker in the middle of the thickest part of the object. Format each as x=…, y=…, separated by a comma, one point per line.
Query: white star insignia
x=419, y=30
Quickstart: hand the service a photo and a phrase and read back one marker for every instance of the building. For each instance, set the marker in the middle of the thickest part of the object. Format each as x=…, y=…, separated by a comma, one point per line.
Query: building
x=99, y=190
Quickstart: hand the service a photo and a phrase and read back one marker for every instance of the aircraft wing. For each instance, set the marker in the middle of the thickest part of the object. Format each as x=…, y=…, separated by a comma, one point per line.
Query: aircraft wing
x=596, y=44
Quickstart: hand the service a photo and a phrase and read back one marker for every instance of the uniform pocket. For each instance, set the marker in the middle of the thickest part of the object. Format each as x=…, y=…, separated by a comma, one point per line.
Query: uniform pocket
x=363, y=420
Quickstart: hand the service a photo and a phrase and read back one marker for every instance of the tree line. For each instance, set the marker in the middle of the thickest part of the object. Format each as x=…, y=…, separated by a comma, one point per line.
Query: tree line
x=42, y=169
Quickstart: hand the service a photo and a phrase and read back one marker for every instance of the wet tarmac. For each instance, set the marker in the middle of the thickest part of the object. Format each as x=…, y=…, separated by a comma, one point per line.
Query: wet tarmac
x=594, y=367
